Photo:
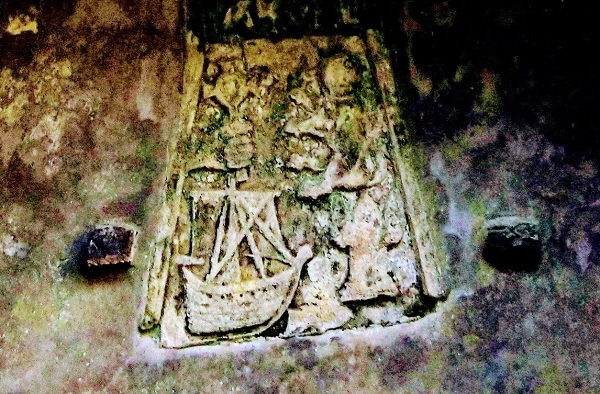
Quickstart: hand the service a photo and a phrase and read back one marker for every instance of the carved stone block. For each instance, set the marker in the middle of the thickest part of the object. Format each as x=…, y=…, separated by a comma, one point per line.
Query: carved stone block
x=286, y=214
x=110, y=245
x=512, y=244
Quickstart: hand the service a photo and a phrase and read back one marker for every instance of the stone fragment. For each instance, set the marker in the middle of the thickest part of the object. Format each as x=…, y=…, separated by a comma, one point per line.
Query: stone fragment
x=13, y=248
x=582, y=238
x=513, y=244
x=285, y=56
x=316, y=319
x=220, y=52
x=110, y=245
x=385, y=315
x=369, y=266
x=239, y=149
x=308, y=153
x=354, y=44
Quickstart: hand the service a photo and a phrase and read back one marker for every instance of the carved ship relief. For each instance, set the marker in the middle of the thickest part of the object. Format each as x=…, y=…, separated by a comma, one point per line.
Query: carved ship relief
x=290, y=206
x=222, y=300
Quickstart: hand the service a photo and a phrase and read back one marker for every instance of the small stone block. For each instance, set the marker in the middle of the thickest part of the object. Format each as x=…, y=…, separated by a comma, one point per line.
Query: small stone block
x=110, y=245
x=513, y=244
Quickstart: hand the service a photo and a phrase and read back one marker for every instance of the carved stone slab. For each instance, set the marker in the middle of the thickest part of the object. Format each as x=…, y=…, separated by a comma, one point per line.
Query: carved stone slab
x=285, y=213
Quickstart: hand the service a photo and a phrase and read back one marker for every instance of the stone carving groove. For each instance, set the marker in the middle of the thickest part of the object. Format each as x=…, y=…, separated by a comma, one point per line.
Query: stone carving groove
x=284, y=208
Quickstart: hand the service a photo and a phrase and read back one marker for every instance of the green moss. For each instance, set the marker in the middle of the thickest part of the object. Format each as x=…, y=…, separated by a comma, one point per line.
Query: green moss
x=145, y=150
x=268, y=169
x=477, y=205
x=516, y=183
x=339, y=202
x=349, y=136
x=224, y=138
x=171, y=187
x=350, y=148
x=294, y=80
x=205, y=146
x=279, y=110
x=197, y=225
x=190, y=147
x=365, y=92
x=210, y=120
x=465, y=141
x=489, y=100
x=470, y=341
x=306, y=180
x=452, y=151
x=33, y=199
x=457, y=148
x=431, y=375
x=553, y=381
x=96, y=104
x=485, y=274
x=154, y=332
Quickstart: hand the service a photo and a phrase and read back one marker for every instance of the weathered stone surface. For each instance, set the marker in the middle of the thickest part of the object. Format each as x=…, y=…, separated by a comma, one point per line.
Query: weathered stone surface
x=340, y=75
x=13, y=248
x=276, y=18
x=286, y=200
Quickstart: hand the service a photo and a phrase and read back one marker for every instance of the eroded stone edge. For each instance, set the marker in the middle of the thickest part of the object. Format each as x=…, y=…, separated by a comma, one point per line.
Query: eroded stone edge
x=426, y=234
x=159, y=266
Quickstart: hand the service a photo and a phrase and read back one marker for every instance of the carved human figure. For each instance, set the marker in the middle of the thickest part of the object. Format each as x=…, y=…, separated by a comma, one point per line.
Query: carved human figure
x=381, y=260
x=318, y=307
x=222, y=136
x=323, y=110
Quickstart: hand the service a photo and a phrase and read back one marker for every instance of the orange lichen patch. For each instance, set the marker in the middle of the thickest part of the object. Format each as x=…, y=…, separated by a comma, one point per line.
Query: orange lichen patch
x=266, y=9
x=13, y=98
x=281, y=56
x=489, y=100
x=149, y=85
x=487, y=77
x=410, y=24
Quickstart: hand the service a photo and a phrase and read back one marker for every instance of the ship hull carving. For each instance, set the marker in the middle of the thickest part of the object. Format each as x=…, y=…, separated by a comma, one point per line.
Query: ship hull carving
x=217, y=310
